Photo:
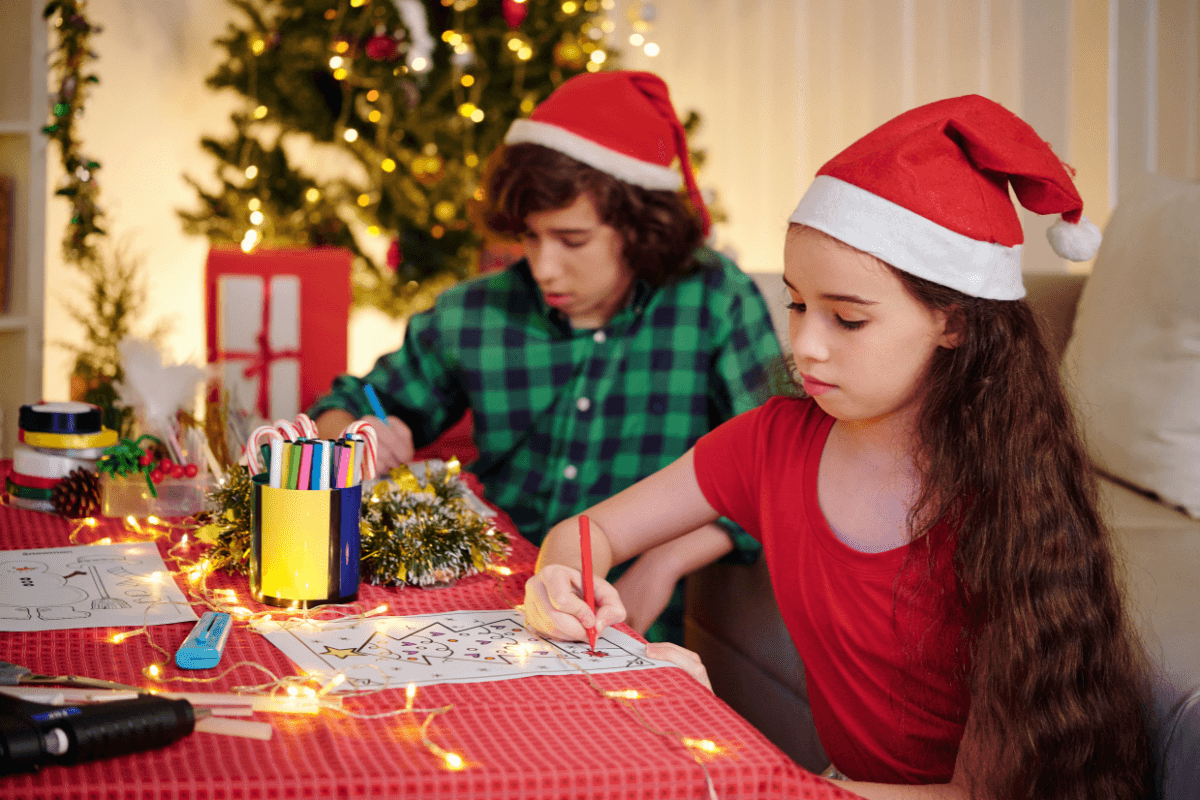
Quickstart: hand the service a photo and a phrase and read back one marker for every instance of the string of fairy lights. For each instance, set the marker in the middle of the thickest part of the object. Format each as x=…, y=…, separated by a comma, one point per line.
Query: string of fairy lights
x=313, y=693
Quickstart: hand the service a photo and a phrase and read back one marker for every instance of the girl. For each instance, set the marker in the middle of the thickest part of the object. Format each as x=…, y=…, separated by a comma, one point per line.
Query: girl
x=927, y=511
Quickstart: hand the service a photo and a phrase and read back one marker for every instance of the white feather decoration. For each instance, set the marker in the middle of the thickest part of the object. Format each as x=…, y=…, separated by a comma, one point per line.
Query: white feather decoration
x=157, y=391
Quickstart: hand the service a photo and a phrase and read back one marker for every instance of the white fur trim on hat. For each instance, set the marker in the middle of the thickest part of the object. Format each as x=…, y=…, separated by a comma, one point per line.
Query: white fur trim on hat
x=627, y=168
x=1075, y=242
x=909, y=241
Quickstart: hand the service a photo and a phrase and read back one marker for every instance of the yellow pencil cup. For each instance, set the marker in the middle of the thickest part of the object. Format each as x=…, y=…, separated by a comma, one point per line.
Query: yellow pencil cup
x=304, y=545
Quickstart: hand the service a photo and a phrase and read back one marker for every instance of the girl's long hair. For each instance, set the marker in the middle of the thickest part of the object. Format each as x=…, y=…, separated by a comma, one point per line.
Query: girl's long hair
x=1058, y=679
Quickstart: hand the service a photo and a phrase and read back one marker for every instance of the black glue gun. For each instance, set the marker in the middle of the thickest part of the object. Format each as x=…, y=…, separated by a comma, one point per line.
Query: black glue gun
x=34, y=734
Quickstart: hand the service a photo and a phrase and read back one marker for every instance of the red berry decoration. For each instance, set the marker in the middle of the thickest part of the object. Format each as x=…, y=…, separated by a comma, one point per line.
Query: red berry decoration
x=156, y=475
x=191, y=470
x=177, y=471
x=146, y=459
x=165, y=465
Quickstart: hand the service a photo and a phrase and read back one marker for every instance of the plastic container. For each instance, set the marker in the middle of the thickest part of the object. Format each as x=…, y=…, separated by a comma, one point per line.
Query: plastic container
x=129, y=496
x=304, y=545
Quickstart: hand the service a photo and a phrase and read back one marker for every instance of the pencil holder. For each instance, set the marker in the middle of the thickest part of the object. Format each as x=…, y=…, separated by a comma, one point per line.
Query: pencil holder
x=304, y=545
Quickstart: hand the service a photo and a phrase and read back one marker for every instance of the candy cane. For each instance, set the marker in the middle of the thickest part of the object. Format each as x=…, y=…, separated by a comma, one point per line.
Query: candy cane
x=367, y=431
x=308, y=428
x=289, y=431
x=257, y=437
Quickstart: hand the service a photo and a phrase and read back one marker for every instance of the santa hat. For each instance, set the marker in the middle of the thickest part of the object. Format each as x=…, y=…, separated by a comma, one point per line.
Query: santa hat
x=928, y=193
x=619, y=122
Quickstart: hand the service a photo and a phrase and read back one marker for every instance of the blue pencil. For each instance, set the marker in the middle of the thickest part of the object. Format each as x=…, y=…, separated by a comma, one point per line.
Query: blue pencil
x=373, y=399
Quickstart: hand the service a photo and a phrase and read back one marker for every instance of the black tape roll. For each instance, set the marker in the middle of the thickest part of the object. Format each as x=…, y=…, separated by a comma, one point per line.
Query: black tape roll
x=60, y=418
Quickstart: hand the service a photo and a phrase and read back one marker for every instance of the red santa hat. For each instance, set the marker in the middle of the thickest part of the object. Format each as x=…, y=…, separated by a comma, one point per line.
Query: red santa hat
x=927, y=192
x=619, y=122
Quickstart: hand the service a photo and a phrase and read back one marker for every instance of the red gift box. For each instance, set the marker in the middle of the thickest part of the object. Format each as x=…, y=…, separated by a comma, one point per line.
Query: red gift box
x=277, y=324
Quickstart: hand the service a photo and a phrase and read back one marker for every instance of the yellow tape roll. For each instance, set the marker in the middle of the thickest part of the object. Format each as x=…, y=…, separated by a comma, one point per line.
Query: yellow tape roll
x=69, y=441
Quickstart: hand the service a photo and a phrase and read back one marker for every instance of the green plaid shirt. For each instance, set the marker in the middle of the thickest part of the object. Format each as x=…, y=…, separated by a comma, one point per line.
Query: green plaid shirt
x=565, y=418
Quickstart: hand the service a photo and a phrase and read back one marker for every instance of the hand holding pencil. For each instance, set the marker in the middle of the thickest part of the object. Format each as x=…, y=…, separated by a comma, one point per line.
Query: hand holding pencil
x=573, y=604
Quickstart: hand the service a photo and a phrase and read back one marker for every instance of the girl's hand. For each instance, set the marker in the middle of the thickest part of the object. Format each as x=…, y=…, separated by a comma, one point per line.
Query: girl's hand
x=554, y=604
x=680, y=657
x=395, y=443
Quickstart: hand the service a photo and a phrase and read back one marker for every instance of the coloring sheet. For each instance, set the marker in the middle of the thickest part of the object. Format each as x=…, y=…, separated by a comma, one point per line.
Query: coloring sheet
x=453, y=647
x=88, y=586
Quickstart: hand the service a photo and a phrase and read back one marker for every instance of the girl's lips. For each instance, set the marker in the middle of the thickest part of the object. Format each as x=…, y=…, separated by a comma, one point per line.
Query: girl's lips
x=814, y=387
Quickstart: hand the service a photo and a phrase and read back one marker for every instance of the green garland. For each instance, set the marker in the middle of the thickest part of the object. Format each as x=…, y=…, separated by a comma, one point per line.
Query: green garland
x=411, y=534
x=71, y=55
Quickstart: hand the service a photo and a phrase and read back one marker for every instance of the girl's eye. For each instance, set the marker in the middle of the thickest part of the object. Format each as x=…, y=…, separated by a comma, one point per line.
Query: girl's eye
x=851, y=325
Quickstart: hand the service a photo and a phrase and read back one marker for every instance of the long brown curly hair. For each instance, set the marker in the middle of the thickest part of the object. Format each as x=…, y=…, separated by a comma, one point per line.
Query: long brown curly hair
x=660, y=230
x=1058, y=679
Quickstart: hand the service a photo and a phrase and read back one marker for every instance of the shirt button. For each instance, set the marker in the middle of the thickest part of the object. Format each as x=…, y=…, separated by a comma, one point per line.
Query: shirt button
x=583, y=404
x=599, y=337
x=570, y=472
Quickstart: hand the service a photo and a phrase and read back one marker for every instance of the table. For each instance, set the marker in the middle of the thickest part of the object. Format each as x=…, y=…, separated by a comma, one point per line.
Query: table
x=536, y=737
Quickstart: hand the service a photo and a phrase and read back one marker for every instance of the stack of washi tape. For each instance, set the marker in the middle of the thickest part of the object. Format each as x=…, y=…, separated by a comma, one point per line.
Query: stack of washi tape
x=56, y=438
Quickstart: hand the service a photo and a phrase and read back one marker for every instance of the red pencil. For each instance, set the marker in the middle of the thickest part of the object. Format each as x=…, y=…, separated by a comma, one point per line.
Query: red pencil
x=589, y=589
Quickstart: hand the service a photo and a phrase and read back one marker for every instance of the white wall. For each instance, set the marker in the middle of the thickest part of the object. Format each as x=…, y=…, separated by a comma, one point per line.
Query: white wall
x=782, y=85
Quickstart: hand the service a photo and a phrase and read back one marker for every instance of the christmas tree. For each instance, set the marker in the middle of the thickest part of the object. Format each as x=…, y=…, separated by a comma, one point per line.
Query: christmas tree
x=410, y=97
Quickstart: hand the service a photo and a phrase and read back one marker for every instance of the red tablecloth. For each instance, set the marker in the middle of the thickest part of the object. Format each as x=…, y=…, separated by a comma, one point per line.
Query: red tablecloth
x=536, y=737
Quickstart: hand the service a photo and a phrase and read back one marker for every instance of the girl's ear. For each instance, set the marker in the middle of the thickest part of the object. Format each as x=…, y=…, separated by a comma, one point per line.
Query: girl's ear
x=953, y=326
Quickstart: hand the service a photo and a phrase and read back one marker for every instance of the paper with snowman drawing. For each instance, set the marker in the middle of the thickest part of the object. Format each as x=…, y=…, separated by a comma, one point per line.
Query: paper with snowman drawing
x=451, y=647
x=88, y=586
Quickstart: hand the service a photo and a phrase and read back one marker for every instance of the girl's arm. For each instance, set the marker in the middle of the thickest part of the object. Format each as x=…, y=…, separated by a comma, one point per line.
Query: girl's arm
x=970, y=756
x=657, y=509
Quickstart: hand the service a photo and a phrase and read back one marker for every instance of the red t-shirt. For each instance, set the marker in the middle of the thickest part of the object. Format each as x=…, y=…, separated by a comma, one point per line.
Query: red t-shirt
x=880, y=633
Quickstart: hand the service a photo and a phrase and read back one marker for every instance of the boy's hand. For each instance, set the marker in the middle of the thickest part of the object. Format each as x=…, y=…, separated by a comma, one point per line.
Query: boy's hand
x=394, y=441
x=680, y=657
x=554, y=604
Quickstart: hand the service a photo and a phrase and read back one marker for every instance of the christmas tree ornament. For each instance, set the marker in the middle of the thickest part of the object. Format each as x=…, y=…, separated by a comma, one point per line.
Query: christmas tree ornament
x=77, y=495
x=382, y=47
x=514, y=12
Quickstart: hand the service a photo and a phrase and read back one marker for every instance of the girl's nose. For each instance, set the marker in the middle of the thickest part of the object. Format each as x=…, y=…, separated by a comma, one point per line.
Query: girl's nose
x=808, y=339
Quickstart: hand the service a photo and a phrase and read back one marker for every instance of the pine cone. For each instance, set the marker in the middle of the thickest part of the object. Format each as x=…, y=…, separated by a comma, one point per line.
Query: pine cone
x=77, y=495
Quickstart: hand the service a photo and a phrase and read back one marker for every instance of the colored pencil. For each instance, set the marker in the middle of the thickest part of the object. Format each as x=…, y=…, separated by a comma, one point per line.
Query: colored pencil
x=589, y=588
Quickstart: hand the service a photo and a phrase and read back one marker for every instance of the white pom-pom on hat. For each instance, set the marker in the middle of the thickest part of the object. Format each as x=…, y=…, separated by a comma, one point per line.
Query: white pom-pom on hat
x=1075, y=242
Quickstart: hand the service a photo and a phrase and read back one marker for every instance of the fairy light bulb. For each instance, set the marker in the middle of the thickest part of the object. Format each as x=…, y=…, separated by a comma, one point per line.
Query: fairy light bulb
x=154, y=671
x=453, y=760
x=636, y=39
x=388, y=165
x=153, y=520
x=651, y=49
x=90, y=522
x=119, y=637
x=251, y=172
x=707, y=745
x=623, y=694
x=350, y=135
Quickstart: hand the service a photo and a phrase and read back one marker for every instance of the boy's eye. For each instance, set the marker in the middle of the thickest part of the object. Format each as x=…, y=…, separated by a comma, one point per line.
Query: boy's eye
x=797, y=307
x=851, y=324
x=574, y=241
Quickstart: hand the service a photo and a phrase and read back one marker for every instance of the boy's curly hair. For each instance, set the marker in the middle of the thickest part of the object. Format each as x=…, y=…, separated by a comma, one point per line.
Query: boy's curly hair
x=660, y=229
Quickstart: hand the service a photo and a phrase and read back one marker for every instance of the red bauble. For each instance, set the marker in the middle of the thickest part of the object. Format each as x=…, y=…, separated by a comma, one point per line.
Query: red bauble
x=394, y=256
x=514, y=12
x=177, y=471
x=146, y=459
x=381, y=48
x=156, y=475
x=165, y=465
x=191, y=470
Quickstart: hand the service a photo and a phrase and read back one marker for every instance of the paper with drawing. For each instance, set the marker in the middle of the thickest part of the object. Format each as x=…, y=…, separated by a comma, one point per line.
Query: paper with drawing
x=452, y=647
x=88, y=586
